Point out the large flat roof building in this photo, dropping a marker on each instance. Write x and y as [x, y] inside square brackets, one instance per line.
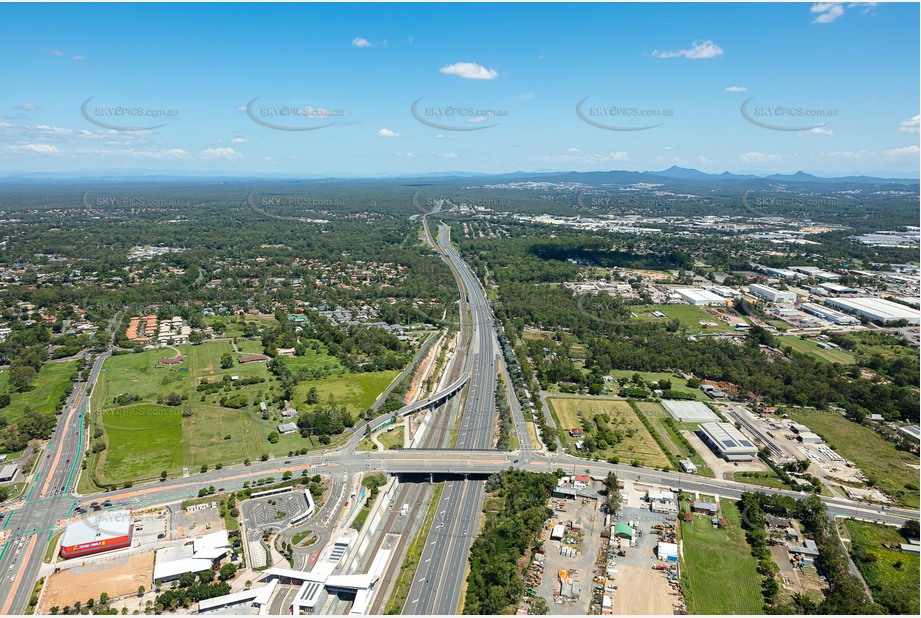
[768, 293]
[689, 411]
[96, 533]
[877, 310]
[730, 443]
[699, 297]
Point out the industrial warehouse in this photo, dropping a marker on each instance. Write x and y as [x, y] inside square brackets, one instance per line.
[729, 443]
[97, 533]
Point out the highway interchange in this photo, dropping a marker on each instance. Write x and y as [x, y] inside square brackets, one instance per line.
[50, 500]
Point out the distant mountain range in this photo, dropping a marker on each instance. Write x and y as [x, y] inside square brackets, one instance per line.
[613, 177]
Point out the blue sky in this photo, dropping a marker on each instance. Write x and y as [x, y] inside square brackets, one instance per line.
[832, 88]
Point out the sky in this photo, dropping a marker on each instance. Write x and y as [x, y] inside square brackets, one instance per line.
[385, 89]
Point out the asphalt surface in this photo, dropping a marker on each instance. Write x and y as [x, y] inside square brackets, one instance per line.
[33, 521]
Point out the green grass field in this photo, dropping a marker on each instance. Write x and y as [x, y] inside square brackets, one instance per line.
[44, 398]
[719, 574]
[202, 436]
[656, 415]
[143, 440]
[689, 316]
[811, 348]
[356, 391]
[878, 458]
[640, 445]
[678, 384]
[891, 575]
[250, 346]
[763, 479]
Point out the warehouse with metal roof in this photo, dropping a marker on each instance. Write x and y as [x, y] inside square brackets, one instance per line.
[729, 443]
[689, 411]
[96, 533]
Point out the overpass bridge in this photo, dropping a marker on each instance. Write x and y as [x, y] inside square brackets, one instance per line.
[431, 401]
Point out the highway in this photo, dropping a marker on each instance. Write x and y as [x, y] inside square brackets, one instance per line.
[439, 579]
[440, 576]
[33, 520]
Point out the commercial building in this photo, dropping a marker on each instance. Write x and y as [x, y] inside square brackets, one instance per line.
[97, 533]
[729, 443]
[699, 297]
[808, 437]
[768, 293]
[8, 472]
[688, 466]
[826, 313]
[724, 291]
[783, 273]
[836, 289]
[877, 310]
[689, 411]
[201, 554]
[667, 551]
[912, 430]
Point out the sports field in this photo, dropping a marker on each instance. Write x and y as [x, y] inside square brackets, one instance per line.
[719, 574]
[637, 443]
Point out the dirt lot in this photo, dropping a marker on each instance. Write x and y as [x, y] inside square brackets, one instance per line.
[116, 577]
[640, 589]
[195, 523]
[592, 522]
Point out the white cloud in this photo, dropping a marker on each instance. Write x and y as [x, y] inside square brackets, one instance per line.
[735, 89]
[227, 153]
[469, 70]
[56, 52]
[817, 131]
[408, 155]
[827, 12]
[903, 151]
[869, 155]
[80, 57]
[760, 157]
[388, 133]
[134, 153]
[238, 140]
[445, 155]
[527, 96]
[37, 148]
[699, 50]
[574, 155]
[911, 125]
[360, 42]
[572, 150]
[27, 107]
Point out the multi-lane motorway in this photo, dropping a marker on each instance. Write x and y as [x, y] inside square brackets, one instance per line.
[47, 503]
[439, 579]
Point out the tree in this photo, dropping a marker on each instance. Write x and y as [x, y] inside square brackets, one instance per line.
[141, 591]
[539, 606]
[228, 570]
[909, 529]
[163, 475]
[612, 499]
[226, 360]
[313, 397]
[21, 377]
[4, 400]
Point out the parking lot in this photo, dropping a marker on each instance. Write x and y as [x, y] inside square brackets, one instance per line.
[276, 510]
